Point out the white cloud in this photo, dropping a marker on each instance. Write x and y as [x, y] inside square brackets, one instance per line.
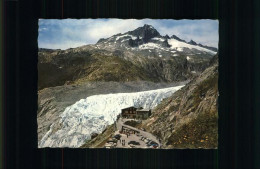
[64, 45]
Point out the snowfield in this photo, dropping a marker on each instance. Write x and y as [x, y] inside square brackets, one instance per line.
[95, 113]
[180, 45]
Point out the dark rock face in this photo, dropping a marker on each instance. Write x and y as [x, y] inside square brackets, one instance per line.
[166, 36]
[177, 38]
[192, 42]
[147, 32]
[101, 40]
[134, 43]
[166, 44]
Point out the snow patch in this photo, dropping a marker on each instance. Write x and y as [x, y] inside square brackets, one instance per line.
[119, 37]
[180, 49]
[126, 35]
[179, 45]
[159, 39]
[149, 45]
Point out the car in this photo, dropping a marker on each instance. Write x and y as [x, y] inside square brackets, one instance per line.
[108, 145]
[132, 146]
[118, 136]
[148, 146]
[133, 143]
[154, 146]
[146, 140]
[152, 143]
[112, 140]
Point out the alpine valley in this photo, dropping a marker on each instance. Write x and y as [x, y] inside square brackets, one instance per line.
[82, 90]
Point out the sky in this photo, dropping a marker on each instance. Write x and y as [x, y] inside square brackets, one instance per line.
[71, 33]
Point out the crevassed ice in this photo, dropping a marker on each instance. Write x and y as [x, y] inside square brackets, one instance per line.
[95, 113]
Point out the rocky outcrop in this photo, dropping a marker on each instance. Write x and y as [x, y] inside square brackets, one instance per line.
[177, 38]
[147, 32]
[192, 42]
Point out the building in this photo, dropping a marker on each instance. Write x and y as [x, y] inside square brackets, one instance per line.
[135, 113]
[143, 113]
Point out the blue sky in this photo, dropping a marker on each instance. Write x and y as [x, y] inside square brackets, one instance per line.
[70, 33]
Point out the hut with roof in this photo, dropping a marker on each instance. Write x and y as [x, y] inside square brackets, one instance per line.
[135, 113]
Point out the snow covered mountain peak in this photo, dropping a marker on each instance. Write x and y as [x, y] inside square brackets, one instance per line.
[147, 37]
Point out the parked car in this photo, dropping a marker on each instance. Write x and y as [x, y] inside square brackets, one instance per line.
[133, 143]
[118, 136]
[155, 146]
[108, 145]
[112, 140]
[152, 143]
[146, 140]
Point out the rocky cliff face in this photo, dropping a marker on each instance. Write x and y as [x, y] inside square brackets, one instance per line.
[189, 118]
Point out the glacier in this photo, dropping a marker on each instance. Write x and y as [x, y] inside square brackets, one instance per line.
[95, 113]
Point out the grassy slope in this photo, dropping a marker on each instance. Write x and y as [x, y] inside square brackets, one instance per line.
[189, 118]
[82, 67]
[201, 131]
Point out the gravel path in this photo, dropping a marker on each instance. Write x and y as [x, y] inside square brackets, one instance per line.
[133, 137]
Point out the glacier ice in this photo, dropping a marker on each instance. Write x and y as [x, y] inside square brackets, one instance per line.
[95, 113]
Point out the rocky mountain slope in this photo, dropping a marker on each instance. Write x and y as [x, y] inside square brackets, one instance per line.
[189, 118]
[141, 54]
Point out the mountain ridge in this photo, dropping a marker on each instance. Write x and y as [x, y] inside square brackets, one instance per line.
[120, 58]
[147, 32]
